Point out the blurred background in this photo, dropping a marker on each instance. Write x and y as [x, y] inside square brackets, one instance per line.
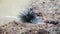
[11, 8]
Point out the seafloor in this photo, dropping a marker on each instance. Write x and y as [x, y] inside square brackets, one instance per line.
[47, 10]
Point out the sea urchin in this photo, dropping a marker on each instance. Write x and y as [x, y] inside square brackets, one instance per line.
[28, 17]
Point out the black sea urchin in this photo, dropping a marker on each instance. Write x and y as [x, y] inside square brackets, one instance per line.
[28, 16]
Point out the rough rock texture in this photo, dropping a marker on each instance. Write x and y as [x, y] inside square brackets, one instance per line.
[22, 28]
[50, 8]
[28, 28]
